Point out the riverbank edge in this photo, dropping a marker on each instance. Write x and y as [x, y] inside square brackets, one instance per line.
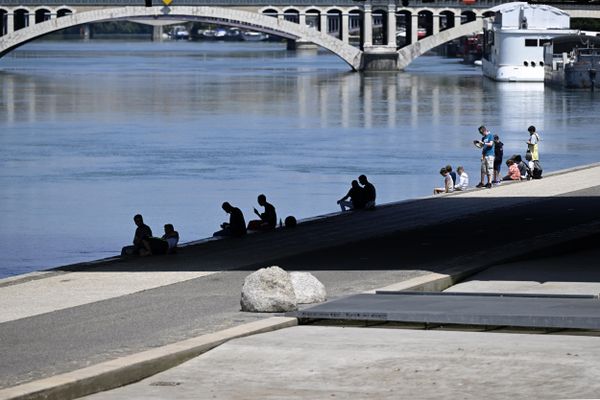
[31, 276]
[134, 367]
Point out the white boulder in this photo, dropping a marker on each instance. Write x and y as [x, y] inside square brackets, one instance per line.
[308, 289]
[268, 290]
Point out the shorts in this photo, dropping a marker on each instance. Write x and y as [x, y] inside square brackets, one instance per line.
[497, 164]
[487, 165]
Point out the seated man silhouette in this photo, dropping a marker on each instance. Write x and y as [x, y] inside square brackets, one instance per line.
[142, 232]
[356, 194]
[154, 246]
[370, 193]
[236, 227]
[268, 219]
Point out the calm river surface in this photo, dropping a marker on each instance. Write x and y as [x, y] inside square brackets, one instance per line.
[92, 133]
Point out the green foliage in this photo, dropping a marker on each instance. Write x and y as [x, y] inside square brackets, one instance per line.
[586, 24]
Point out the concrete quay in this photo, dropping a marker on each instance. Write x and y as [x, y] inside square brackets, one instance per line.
[196, 292]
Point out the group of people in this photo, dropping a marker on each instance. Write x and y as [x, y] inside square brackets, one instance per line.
[237, 227]
[144, 244]
[492, 153]
[458, 180]
[361, 195]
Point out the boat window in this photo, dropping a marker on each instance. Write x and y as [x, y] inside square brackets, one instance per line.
[525, 63]
[533, 63]
[544, 41]
[531, 42]
[541, 63]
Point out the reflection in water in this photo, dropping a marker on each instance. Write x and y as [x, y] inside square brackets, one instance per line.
[92, 133]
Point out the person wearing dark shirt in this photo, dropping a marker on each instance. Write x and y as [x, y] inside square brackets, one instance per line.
[142, 232]
[452, 173]
[268, 219]
[357, 198]
[236, 226]
[370, 193]
[498, 154]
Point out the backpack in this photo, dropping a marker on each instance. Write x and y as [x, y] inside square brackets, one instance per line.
[537, 170]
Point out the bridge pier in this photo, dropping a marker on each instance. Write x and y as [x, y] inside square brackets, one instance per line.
[380, 59]
[10, 23]
[86, 32]
[157, 32]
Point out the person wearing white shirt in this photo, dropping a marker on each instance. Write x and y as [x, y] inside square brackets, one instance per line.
[462, 180]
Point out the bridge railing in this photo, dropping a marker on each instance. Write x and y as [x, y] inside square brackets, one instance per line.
[344, 3]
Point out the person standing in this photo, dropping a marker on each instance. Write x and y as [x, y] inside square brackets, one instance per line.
[533, 143]
[268, 219]
[369, 191]
[487, 157]
[498, 155]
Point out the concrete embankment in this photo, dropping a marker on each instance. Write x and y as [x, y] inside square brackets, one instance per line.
[196, 292]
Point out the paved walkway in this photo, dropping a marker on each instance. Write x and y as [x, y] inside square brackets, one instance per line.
[309, 362]
[137, 308]
[571, 273]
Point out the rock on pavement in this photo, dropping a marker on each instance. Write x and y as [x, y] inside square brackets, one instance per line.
[268, 290]
[308, 289]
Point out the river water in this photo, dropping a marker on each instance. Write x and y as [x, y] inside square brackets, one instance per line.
[92, 133]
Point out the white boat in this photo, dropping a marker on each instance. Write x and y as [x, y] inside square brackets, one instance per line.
[251, 36]
[513, 47]
[179, 32]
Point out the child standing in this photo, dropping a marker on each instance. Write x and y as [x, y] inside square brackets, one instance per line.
[498, 154]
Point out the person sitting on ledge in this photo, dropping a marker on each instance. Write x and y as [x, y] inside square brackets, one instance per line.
[154, 246]
[236, 227]
[142, 232]
[463, 179]
[369, 191]
[357, 198]
[448, 185]
[513, 171]
[268, 219]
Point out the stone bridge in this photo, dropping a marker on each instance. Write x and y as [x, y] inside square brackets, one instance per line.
[374, 35]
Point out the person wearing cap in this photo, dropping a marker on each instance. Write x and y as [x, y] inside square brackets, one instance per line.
[487, 157]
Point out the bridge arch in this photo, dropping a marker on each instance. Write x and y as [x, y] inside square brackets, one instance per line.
[448, 19]
[407, 54]
[270, 10]
[230, 17]
[42, 14]
[64, 11]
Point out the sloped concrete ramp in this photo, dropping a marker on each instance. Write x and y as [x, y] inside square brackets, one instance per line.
[484, 309]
